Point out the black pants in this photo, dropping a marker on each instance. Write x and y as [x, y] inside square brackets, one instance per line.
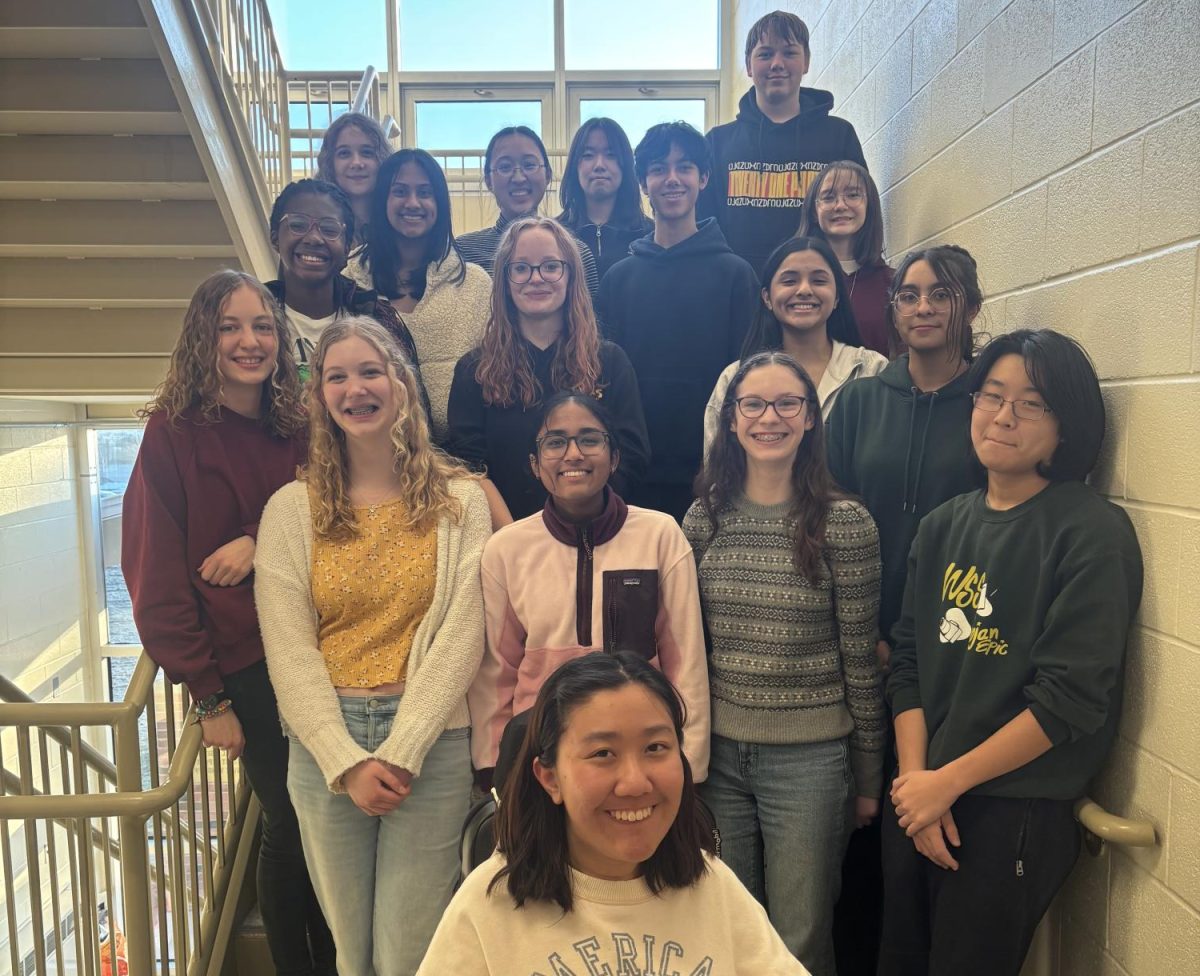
[980, 919]
[298, 937]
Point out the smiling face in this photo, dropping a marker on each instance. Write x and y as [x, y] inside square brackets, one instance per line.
[411, 206]
[803, 292]
[619, 775]
[1006, 445]
[310, 257]
[599, 169]
[538, 298]
[673, 185]
[356, 389]
[517, 192]
[928, 328]
[574, 480]
[769, 438]
[355, 162]
[842, 204]
[247, 343]
[776, 67]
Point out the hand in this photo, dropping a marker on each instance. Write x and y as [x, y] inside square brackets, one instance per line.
[374, 788]
[883, 654]
[230, 564]
[225, 732]
[921, 797]
[932, 844]
[866, 809]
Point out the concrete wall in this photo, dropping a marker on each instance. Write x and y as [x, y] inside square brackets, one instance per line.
[1060, 141]
[41, 596]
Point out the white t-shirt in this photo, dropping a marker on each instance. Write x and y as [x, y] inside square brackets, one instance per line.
[306, 332]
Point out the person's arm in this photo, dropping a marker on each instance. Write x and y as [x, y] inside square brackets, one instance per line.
[590, 273]
[624, 401]
[712, 197]
[744, 299]
[758, 948]
[456, 946]
[439, 684]
[681, 653]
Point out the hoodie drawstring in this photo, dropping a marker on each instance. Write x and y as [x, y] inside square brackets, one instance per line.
[912, 424]
[921, 457]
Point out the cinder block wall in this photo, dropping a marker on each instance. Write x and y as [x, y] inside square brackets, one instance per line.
[1059, 140]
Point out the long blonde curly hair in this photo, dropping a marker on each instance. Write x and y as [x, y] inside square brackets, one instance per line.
[425, 471]
[504, 371]
[194, 377]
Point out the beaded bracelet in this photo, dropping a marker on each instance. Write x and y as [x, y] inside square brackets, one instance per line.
[220, 708]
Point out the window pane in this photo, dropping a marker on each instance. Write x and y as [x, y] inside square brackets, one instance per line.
[314, 35]
[116, 451]
[636, 115]
[617, 35]
[470, 125]
[476, 35]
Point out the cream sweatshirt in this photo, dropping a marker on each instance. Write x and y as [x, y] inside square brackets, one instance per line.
[713, 928]
[446, 649]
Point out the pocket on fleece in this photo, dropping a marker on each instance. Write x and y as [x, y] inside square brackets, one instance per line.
[630, 611]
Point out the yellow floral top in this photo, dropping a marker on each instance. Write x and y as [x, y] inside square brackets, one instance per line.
[371, 593]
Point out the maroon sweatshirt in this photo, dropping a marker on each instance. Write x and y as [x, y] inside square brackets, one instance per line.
[196, 486]
[869, 297]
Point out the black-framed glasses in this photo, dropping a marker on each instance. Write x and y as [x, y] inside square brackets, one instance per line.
[939, 299]
[519, 272]
[786, 407]
[300, 224]
[506, 167]
[1022, 409]
[552, 447]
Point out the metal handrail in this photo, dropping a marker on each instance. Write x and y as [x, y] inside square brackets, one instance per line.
[1107, 827]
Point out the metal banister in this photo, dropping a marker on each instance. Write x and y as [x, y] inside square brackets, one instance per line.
[1103, 827]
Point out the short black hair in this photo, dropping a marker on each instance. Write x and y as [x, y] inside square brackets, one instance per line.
[589, 403]
[659, 140]
[515, 130]
[320, 188]
[1062, 372]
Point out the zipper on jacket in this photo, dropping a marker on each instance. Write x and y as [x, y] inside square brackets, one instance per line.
[1021, 839]
[599, 242]
[610, 611]
[583, 588]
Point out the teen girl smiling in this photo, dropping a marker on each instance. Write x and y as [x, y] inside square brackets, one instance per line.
[352, 151]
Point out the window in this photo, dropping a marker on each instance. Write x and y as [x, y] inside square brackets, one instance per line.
[635, 116]
[664, 35]
[315, 35]
[116, 450]
[476, 35]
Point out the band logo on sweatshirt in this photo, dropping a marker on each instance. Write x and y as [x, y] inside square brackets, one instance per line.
[759, 184]
[970, 604]
[626, 957]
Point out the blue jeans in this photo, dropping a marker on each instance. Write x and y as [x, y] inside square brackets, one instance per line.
[785, 814]
[383, 882]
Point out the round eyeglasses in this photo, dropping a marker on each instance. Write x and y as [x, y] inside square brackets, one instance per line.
[506, 167]
[519, 272]
[1022, 409]
[300, 224]
[552, 447]
[786, 407]
[939, 299]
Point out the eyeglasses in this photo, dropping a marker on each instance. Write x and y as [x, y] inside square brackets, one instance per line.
[519, 272]
[506, 167]
[786, 407]
[828, 198]
[1022, 409]
[300, 224]
[552, 447]
[907, 302]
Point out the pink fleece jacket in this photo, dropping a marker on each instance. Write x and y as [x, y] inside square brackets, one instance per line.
[529, 597]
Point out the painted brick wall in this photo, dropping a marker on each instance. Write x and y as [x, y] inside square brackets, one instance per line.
[1059, 140]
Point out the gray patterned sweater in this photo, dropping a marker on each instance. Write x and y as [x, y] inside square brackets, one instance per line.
[792, 660]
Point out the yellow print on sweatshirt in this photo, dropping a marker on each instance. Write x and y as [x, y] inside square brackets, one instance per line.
[754, 187]
[967, 589]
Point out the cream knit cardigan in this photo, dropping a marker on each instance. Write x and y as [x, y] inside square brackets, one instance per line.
[446, 652]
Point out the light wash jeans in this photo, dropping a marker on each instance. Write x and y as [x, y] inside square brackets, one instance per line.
[383, 882]
[785, 815]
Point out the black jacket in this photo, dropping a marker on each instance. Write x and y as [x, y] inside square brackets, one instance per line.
[762, 170]
[608, 242]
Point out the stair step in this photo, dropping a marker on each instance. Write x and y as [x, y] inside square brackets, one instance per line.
[81, 377]
[89, 331]
[71, 13]
[76, 42]
[66, 85]
[116, 282]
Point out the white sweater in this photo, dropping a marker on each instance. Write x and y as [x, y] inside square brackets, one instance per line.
[446, 324]
[715, 926]
[446, 651]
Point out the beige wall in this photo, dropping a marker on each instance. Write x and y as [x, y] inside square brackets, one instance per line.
[1060, 141]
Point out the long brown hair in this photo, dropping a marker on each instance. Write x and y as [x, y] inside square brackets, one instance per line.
[194, 377]
[723, 477]
[425, 472]
[504, 371]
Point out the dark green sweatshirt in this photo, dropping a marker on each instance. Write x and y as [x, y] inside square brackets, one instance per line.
[903, 453]
[1025, 608]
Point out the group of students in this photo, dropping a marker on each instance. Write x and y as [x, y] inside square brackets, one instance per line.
[421, 517]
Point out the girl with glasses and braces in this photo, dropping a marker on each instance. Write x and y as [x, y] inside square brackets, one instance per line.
[789, 582]
[541, 337]
[587, 573]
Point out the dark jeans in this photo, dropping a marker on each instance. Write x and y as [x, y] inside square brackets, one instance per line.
[298, 937]
[980, 919]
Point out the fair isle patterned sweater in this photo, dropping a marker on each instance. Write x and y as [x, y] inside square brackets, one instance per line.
[793, 660]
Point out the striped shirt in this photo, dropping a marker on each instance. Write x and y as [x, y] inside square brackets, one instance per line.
[479, 247]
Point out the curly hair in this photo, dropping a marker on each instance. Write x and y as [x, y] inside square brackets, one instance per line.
[366, 125]
[194, 377]
[504, 371]
[425, 471]
[723, 477]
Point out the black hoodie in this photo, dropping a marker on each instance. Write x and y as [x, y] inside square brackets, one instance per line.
[762, 170]
[681, 314]
[903, 453]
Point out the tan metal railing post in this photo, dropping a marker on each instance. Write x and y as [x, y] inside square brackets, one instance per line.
[135, 870]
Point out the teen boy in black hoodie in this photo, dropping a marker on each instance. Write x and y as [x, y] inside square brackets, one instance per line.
[679, 305]
[765, 161]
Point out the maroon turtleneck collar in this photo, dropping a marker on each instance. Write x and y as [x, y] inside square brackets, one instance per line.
[604, 526]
